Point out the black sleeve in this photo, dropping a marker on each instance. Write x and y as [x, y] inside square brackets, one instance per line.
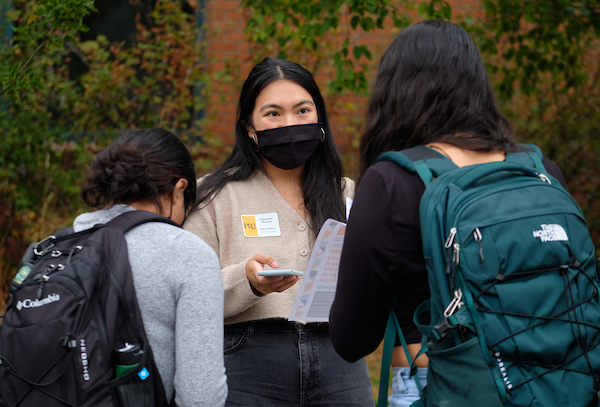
[382, 257]
[553, 170]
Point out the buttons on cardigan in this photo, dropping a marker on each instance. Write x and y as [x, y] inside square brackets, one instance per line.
[303, 252]
[302, 226]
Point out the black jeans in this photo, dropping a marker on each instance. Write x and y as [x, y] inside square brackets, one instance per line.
[281, 363]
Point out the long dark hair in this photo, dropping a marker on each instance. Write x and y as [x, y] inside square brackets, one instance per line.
[432, 86]
[140, 165]
[321, 177]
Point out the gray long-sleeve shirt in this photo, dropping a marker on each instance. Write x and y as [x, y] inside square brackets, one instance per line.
[177, 278]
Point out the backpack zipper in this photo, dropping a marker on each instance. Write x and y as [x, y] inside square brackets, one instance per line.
[455, 257]
[544, 178]
[452, 251]
[451, 243]
[478, 237]
[448, 245]
[45, 276]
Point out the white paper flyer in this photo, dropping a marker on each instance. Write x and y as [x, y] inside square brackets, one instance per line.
[317, 289]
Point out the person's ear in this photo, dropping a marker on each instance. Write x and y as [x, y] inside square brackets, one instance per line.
[251, 132]
[179, 189]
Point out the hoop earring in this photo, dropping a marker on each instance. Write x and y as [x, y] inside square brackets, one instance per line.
[323, 131]
[254, 138]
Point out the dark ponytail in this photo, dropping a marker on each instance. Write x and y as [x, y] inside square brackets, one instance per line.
[141, 165]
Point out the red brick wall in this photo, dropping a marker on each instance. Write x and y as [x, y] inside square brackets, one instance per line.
[226, 46]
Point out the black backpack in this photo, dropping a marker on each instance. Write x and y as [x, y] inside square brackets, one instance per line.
[72, 334]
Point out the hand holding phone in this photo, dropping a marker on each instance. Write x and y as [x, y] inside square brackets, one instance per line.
[280, 273]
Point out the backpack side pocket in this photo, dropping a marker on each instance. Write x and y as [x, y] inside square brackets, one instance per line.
[137, 386]
[460, 377]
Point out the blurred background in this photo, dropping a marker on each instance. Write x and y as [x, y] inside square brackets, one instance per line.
[75, 74]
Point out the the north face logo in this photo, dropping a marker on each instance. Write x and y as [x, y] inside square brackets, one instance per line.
[29, 303]
[551, 233]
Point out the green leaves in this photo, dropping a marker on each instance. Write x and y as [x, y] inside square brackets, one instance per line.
[435, 10]
[44, 27]
[361, 50]
[52, 125]
[542, 39]
[297, 29]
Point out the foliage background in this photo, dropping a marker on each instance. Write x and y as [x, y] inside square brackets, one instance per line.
[542, 55]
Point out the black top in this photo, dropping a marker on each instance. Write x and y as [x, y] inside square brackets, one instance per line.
[382, 258]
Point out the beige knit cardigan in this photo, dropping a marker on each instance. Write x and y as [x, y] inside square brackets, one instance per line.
[220, 225]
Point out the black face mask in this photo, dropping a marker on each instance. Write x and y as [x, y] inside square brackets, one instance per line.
[289, 147]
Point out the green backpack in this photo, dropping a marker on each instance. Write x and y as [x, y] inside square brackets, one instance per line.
[514, 306]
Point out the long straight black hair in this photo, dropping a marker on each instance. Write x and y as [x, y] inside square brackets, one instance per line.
[321, 179]
[432, 86]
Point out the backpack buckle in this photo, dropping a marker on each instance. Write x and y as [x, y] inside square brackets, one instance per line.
[441, 330]
[40, 250]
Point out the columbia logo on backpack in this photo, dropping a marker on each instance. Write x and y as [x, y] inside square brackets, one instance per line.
[29, 303]
[514, 304]
[73, 334]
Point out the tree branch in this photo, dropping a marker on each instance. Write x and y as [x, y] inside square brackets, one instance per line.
[31, 56]
[80, 54]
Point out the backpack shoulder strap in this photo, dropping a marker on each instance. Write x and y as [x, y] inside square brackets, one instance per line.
[430, 164]
[393, 331]
[128, 220]
[423, 161]
[124, 222]
[528, 155]
[42, 247]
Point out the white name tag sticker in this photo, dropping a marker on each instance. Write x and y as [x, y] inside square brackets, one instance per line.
[263, 225]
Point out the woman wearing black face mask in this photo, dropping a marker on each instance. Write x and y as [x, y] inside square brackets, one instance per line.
[262, 208]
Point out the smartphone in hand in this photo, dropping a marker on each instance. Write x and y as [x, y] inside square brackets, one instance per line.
[280, 273]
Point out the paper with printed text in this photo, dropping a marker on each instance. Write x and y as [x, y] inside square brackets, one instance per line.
[317, 289]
